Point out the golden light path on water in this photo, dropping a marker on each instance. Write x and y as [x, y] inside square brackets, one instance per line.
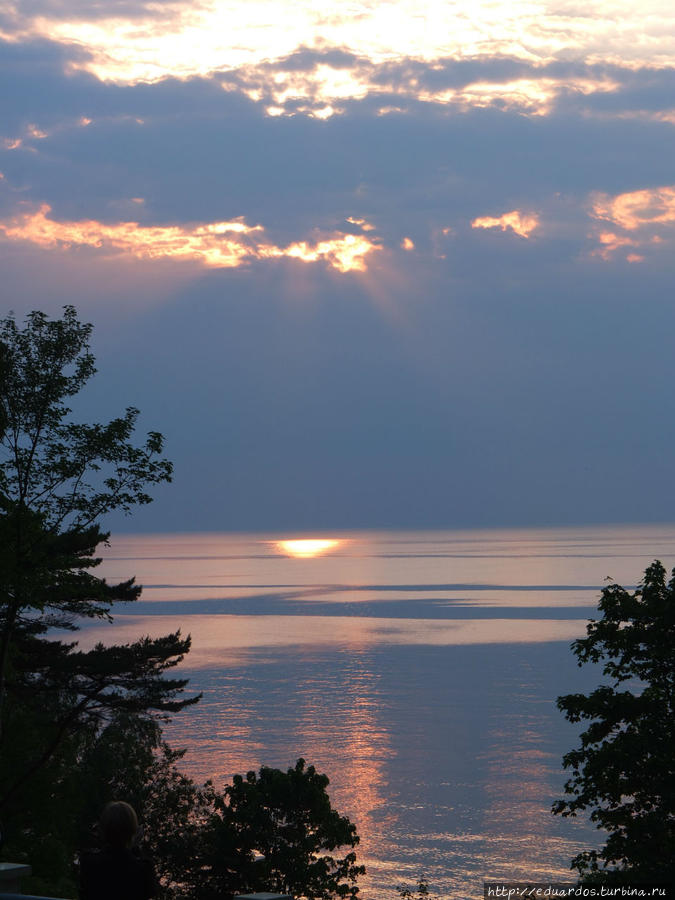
[491, 808]
[220, 638]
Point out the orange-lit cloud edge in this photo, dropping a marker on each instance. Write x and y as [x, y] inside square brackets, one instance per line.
[626, 224]
[633, 222]
[629, 224]
[215, 244]
[522, 223]
[211, 37]
[320, 92]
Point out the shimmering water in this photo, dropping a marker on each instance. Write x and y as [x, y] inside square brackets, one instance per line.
[419, 671]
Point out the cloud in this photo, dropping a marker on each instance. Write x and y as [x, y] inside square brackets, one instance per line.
[85, 10]
[518, 55]
[318, 84]
[522, 223]
[226, 34]
[198, 153]
[638, 209]
[215, 244]
[642, 219]
[323, 83]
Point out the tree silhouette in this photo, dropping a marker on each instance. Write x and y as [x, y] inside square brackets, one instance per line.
[58, 478]
[624, 770]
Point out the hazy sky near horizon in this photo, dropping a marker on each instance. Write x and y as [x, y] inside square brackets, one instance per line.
[365, 264]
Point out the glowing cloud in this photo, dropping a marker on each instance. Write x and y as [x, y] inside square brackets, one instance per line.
[611, 242]
[36, 132]
[313, 91]
[638, 219]
[522, 223]
[534, 96]
[195, 38]
[637, 209]
[345, 253]
[198, 38]
[216, 244]
[365, 226]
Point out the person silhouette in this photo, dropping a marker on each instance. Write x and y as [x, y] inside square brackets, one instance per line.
[116, 872]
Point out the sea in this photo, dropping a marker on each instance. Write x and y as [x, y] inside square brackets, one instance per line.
[418, 670]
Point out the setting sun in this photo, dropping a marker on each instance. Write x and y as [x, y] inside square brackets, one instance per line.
[307, 548]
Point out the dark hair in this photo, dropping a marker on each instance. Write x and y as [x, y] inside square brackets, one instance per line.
[118, 824]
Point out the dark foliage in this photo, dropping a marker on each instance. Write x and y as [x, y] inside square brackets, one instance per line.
[420, 892]
[624, 770]
[287, 817]
[68, 473]
[57, 479]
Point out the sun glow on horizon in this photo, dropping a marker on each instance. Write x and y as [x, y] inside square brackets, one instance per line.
[307, 548]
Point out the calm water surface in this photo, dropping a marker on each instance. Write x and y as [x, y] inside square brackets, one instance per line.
[418, 670]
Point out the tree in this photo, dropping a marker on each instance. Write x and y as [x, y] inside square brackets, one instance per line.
[624, 770]
[130, 759]
[420, 892]
[206, 844]
[58, 478]
[127, 759]
[288, 818]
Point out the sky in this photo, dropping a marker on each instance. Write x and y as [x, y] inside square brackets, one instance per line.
[393, 264]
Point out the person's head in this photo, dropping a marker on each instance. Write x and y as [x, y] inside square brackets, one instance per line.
[118, 824]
